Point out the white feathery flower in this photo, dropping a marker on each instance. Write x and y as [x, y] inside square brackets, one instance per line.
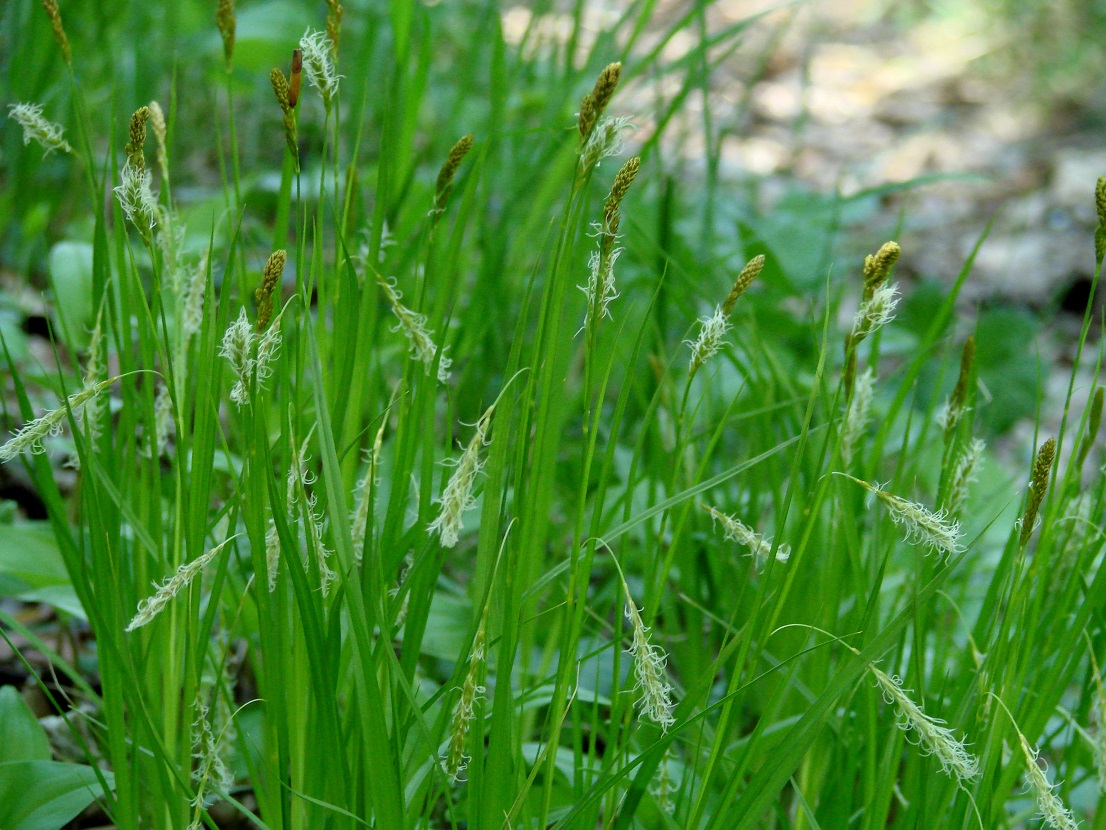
[606, 139]
[736, 531]
[30, 437]
[712, 330]
[599, 290]
[456, 760]
[948, 416]
[38, 129]
[1052, 808]
[318, 65]
[267, 348]
[237, 348]
[857, 415]
[300, 477]
[934, 530]
[457, 497]
[163, 421]
[413, 326]
[649, 669]
[136, 198]
[876, 311]
[932, 736]
[151, 606]
[211, 771]
[272, 555]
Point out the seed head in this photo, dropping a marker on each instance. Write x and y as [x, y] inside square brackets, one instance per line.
[1038, 484]
[931, 734]
[622, 182]
[136, 198]
[299, 479]
[749, 273]
[38, 129]
[211, 770]
[270, 280]
[237, 348]
[878, 266]
[711, 331]
[163, 593]
[733, 529]
[334, 23]
[649, 669]
[457, 497]
[713, 328]
[1052, 808]
[318, 65]
[456, 760]
[606, 140]
[32, 435]
[283, 96]
[948, 415]
[595, 102]
[600, 289]
[137, 138]
[444, 186]
[227, 23]
[413, 326]
[54, 14]
[876, 311]
[934, 530]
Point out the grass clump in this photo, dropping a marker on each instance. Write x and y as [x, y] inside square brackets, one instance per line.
[401, 589]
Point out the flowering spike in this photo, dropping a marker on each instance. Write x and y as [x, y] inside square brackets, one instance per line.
[932, 735]
[934, 530]
[457, 497]
[38, 129]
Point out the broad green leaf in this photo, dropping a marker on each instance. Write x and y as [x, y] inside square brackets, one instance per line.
[31, 567]
[21, 736]
[45, 795]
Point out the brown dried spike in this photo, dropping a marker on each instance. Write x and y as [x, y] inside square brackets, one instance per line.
[749, 273]
[587, 117]
[333, 23]
[137, 138]
[296, 79]
[280, 89]
[54, 13]
[444, 184]
[227, 23]
[1038, 484]
[622, 183]
[270, 279]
